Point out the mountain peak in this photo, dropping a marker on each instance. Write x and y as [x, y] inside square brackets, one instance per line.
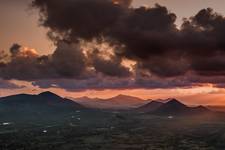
[122, 95]
[173, 106]
[151, 106]
[125, 98]
[201, 108]
[48, 94]
[174, 101]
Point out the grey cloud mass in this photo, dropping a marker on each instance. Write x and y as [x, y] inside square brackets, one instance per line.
[165, 55]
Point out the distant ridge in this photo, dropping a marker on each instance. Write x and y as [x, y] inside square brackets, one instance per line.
[118, 102]
[175, 107]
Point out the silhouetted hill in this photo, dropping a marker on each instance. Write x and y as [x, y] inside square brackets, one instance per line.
[45, 99]
[175, 107]
[117, 102]
[46, 104]
[150, 107]
[125, 100]
[200, 109]
[49, 95]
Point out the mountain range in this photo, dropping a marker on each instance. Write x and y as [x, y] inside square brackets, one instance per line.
[120, 102]
[172, 107]
[51, 105]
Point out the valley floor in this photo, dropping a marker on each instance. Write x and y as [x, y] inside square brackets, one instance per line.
[98, 130]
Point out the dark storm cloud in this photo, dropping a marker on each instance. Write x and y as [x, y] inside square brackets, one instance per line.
[111, 66]
[171, 66]
[205, 39]
[166, 56]
[21, 64]
[210, 66]
[205, 31]
[76, 19]
[145, 31]
[101, 83]
[141, 80]
[15, 48]
[142, 30]
[67, 61]
[25, 64]
[98, 82]
[147, 35]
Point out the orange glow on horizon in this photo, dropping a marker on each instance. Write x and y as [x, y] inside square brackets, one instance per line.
[207, 95]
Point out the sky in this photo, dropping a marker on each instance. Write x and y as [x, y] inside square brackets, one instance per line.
[26, 30]
[133, 48]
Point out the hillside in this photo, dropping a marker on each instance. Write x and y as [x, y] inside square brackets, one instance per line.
[31, 106]
[175, 107]
[150, 107]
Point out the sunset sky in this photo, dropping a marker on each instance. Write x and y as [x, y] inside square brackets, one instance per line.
[102, 48]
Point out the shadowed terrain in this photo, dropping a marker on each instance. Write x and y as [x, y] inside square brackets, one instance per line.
[121, 102]
[47, 121]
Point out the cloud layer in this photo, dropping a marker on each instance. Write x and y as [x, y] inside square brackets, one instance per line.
[4, 84]
[164, 55]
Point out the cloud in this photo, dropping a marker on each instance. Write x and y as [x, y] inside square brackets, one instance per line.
[204, 38]
[67, 61]
[101, 83]
[22, 64]
[15, 49]
[78, 18]
[4, 84]
[146, 35]
[166, 56]
[111, 66]
[26, 64]
[3, 55]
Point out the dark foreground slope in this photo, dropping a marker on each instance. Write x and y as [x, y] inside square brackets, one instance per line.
[117, 131]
